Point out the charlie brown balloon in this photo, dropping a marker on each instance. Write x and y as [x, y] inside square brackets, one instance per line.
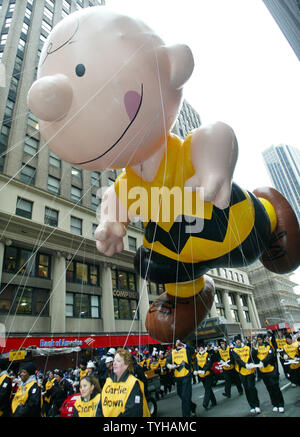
[107, 94]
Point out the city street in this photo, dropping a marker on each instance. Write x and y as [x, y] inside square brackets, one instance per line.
[236, 406]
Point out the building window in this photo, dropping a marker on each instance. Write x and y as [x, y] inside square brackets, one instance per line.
[95, 202]
[51, 217]
[54, 160]
[26, 262]
[53, 185]
[95, 179]
[76, 226]
[235, 315]
[77, 173]
[132, 243]
[125, 295]
[76, 194]
[82, 306]
[24, 301]
[83, 273]
[231, 297]
[124, 308]
[221, 312]
[154, 288]
[31, 145]
[244, 300]
[123, 280]
[247, 316]
[9, 110]
[24, 208]
[28, 174]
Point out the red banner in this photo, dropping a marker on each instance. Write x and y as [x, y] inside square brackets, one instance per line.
[93, 341]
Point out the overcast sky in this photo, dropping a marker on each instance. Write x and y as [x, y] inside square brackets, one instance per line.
[246, 74]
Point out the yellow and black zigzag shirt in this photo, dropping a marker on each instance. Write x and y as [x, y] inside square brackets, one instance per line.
[223, 230]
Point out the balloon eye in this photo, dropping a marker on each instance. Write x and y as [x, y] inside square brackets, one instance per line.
[80, 70]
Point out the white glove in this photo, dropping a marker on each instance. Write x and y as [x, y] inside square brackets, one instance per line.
[249, 366]
[261, 364]
[201, 372]
[285, 356]
[171, 366]
[195, 372]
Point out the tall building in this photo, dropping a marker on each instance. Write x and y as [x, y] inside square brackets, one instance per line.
[283, 164]
[274, 296]
[187, 120]
[287, 16]
[56, 288]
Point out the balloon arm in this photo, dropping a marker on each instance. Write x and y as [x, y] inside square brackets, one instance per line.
[112, 224]
[214, 152]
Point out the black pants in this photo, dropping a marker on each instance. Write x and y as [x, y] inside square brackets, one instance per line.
[293, 375]
[232, 377]
[248, 382]
[207, 382]
[271, 381]
[184, 391]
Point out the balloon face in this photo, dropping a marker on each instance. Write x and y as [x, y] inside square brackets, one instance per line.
[105, 95]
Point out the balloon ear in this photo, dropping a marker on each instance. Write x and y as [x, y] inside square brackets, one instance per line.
[181, 63]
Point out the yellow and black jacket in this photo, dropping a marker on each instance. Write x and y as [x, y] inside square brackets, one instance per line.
[292, 351]
[204, 363]
[27, 401]
[265, 354]
[48, 386]
[225, 355]
[280, 343]
[242, 356]
[83, 408]
[83, 373]
[123, 398]
[182, 357]
[5, 393]
[162, 369]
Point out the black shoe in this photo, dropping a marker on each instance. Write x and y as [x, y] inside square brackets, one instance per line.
[193, 408]
[241, 392]
[226, 395]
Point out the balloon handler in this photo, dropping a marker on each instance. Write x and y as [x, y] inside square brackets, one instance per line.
[107, 95]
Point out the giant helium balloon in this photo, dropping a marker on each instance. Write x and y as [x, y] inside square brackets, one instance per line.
[107, 95]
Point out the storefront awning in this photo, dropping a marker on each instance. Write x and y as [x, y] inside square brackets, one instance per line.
[82, 342]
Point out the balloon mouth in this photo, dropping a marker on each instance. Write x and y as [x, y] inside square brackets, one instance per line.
[121, 136]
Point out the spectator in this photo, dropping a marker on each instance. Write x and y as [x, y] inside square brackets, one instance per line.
[60, 390]
[86, 405]
[27, 401]
[5, 388]
[123, 394]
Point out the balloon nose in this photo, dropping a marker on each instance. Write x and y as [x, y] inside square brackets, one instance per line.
[50, 97]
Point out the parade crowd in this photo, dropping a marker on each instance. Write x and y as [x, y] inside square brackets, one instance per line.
[116, 384]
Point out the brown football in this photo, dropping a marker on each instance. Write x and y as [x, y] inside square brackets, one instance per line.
[283, 254]
[172, 317]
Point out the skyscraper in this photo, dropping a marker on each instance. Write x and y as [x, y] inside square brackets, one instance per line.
[286, 14]
[283, 164]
